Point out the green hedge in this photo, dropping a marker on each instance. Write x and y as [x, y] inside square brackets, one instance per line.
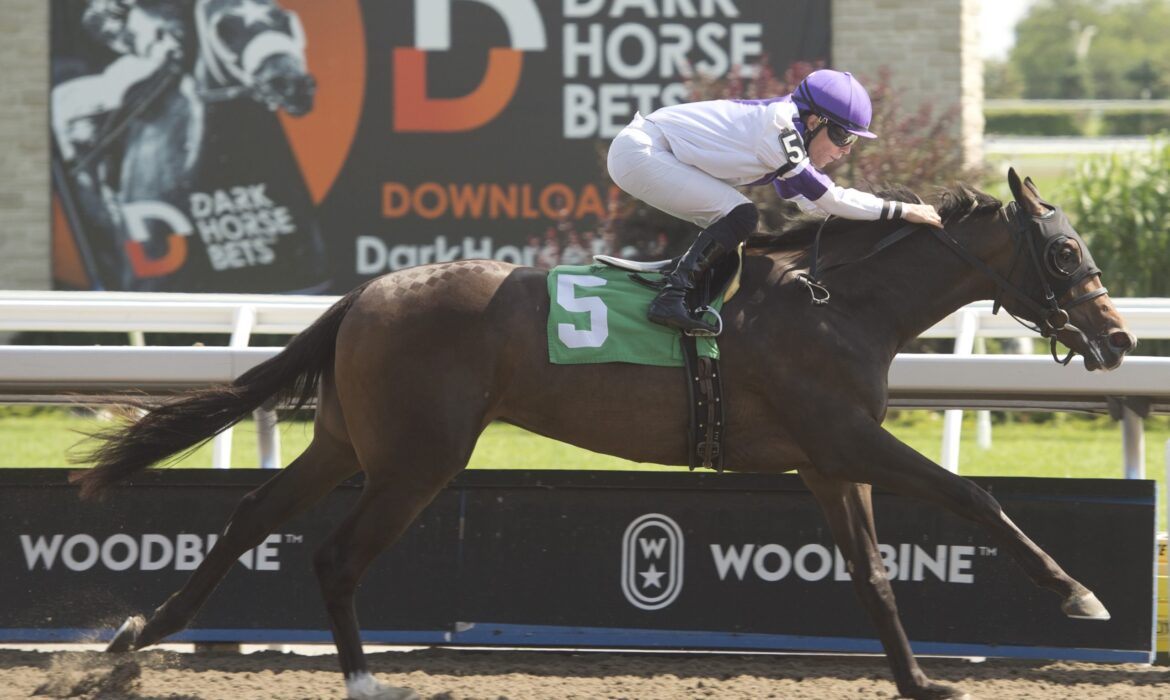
[1041, 122]
[1034, 123]
[1134, 123]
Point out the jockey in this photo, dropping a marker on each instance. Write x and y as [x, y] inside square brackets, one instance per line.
[144, 42]
[688, 160]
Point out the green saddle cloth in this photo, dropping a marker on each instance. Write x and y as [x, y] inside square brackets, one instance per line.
[598, 314]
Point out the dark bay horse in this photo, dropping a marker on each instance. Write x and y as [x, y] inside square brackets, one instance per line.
[411, 367]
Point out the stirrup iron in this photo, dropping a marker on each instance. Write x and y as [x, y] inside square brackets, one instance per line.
[701, 333]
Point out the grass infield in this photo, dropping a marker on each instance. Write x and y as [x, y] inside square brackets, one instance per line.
[1046, 445]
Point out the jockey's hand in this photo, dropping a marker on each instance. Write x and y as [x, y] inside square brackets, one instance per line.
[921, 214]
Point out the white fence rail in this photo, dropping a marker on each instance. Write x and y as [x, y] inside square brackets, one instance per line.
[47, 374]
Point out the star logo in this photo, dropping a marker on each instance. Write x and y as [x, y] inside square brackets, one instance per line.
[252, 12]
[652, 577]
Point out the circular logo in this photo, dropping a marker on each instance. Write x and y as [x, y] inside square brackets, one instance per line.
[652, 562]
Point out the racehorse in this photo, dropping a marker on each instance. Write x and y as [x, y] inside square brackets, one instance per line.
[409, 368]
[152, 149]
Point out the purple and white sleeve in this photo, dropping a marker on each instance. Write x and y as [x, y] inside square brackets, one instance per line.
[814, 187]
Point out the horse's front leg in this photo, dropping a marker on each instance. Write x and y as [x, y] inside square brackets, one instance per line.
[849, 509]
[856, 448]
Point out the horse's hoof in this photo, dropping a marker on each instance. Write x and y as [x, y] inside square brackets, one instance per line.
[1084, 607]
[363, 686]
[938, 691]
[127, 634]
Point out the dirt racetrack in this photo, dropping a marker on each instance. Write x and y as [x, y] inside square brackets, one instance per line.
[444, 674]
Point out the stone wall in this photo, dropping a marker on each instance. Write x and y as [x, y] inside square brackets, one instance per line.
[931, 49]
[24, 145]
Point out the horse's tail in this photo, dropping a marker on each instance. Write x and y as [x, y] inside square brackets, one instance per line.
[195, 417]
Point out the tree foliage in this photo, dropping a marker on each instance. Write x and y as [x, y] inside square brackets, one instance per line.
[1089, 49]
[1121, 205]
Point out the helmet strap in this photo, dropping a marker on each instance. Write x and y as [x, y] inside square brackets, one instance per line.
[810, 134]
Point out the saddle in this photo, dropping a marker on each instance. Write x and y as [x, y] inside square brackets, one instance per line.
[723, 279]
[704, 388]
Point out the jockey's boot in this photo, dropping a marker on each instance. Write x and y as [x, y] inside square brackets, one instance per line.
[669, 308]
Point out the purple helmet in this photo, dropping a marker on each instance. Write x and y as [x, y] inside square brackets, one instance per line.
[838, 97]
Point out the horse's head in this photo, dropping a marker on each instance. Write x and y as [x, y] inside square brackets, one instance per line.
[259, 47]
[1060, 284]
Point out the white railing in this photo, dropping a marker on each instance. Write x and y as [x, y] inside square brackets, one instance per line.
[46, 374]
[1064, 146]
[1098, 106]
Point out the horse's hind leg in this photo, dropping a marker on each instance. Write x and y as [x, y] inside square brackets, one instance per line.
[406, 466]
[381, 515]
[849, 509]
[322, 465]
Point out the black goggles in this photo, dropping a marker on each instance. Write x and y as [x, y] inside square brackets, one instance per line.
[840, 136]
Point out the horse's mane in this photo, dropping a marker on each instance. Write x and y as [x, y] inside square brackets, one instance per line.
[954, 204]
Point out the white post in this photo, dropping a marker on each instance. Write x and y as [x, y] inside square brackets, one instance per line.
[982, 418]
[968, 322]
[221, 446]
[1133, 440]
[267, 438]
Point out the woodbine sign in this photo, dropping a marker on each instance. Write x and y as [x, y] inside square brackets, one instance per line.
[637, 560]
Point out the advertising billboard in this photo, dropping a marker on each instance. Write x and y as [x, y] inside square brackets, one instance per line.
[590, 559]
[300, 146]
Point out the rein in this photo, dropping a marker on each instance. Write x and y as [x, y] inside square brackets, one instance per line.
[1054, 317]
[818, 290]
[165, 79]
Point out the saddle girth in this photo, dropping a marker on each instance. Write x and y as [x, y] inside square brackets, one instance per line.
[705, 408]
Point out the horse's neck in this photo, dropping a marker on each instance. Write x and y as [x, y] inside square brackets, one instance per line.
[933, 281]
[898, 294]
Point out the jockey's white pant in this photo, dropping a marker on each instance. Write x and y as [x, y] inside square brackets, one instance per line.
[641, 163]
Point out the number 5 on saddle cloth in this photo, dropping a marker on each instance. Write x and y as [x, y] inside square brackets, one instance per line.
[597, 314]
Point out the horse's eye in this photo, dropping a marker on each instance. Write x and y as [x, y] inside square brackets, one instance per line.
[1065, 258]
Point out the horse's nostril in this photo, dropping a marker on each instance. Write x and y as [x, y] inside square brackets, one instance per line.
[1120, 340]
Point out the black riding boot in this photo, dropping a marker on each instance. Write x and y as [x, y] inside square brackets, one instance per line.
[669, 308]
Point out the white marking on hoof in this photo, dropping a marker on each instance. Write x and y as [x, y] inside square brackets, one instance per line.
[363, 686]
[1085, 607]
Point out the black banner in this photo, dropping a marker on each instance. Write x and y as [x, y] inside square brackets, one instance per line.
[298, 145]
[636, 560]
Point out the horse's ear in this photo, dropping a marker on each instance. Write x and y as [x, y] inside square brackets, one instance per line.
[1026, 194]
[1032, 186]
[1014, 183]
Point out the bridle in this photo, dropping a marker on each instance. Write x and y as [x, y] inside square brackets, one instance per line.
[1043, 237]
[233, 70]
